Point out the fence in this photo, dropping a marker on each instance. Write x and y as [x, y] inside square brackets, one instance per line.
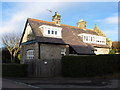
[44, 68]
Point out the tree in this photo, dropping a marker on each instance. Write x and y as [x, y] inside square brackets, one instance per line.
[100, 33]
[116, 46]
[11, 42]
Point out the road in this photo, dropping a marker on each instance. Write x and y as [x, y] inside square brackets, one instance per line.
[45, 84]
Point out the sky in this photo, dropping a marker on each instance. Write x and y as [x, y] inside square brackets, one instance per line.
[104, 14]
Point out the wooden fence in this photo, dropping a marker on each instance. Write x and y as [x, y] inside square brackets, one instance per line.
[44, 68]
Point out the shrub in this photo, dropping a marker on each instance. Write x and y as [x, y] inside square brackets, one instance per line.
[112, 52]
[90, 66]
[14, 70]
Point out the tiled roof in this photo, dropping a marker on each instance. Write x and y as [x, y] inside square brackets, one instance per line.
[69, 36]
[60, 24]
[50, 40]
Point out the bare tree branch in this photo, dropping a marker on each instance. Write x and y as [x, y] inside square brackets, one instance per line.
[11, 42]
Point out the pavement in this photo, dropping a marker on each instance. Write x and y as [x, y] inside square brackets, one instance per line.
[61, 83]
[7, 83]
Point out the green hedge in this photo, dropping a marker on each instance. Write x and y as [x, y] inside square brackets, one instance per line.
[14, 70]
[90, 66]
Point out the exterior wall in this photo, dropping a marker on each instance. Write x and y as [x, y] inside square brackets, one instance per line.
[102, 51]
[28, 35]
[49, 64]
[50, 51]
[24, 49]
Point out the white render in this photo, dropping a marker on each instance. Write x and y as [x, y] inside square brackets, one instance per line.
[27, 32]
[95, 39]
[102, 51]
[44, 29]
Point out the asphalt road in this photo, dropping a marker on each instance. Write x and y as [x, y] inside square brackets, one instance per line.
[61, 84]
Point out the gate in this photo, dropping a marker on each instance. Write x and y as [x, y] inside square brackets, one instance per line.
[44, 68]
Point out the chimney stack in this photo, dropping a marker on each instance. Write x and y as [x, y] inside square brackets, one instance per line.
[82, 24]
[56, 18]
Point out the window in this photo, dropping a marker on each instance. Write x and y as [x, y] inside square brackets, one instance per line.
[48, 31]
[87, 38]
[52, 32]
[55, 32]
[91, 38]
[30, 54]
[63, 50]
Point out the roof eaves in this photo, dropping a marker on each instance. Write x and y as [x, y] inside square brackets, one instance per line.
[28, 42]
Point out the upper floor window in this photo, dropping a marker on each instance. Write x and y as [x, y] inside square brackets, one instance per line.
[48, 31]
[51, 31]
[55, 32]
[88, 38]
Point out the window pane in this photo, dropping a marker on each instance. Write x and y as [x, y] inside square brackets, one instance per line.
[30, 54]
[52, 32]
[48, 31]
[55, 32]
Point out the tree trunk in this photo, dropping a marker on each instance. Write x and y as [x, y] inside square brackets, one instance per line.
[11, 58]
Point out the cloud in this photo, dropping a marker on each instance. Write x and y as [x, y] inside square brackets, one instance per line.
[109, 20]
[23, 11]
[112, 33]
[112, 20]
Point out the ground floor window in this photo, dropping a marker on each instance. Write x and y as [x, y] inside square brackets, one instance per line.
[63, 50]
[30, 54]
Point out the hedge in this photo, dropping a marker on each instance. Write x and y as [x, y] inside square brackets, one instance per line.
[90, 66]
[14, 70]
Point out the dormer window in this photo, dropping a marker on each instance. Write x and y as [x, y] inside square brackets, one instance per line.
[48, 31]
[88, 38]
[51, 31]
[55, 32]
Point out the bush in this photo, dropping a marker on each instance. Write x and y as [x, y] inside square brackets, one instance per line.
[90, 66]
[112, 52]
[14, 70]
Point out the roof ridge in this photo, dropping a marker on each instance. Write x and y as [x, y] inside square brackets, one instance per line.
[41, 20]
[61, 24]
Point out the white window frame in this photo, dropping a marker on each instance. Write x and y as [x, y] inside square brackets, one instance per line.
[30, 54]
[53, 29]
[87, 39]
[63, 51]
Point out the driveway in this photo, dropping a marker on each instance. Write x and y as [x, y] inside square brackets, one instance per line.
[62, 83]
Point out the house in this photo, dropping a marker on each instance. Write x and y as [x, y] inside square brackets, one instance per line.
[48, 41]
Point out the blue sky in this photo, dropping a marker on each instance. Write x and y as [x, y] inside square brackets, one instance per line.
[104, 14]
